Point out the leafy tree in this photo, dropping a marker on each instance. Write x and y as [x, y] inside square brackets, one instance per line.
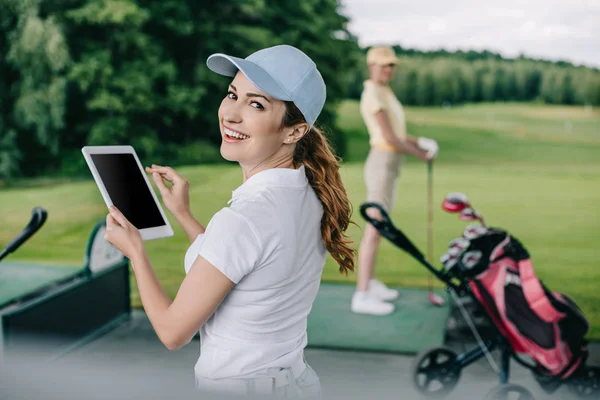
[460, 77]
[34, 67]
[134, 72]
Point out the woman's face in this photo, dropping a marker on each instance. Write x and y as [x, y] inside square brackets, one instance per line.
[382, 73]
[251, 125]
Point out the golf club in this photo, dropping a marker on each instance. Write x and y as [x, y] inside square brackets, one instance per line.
[448, 260]
[433, 298]
[38, 217]
[459, 243]
[469, 214]
[455, 202]
[459, 203]
[474, 231]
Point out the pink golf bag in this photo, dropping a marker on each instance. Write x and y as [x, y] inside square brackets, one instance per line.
[492, 267]
[544, 325]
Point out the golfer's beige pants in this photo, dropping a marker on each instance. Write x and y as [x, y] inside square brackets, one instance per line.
[381, 173]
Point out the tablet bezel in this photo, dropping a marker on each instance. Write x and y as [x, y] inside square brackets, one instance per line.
[157, 232]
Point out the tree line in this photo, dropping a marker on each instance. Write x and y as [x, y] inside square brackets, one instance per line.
[96, 72]
[438, 77]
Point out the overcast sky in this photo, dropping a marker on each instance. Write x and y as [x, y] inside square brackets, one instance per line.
[550, 29]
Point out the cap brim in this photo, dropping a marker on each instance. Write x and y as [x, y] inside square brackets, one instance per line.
[387, 61]
[226, 65]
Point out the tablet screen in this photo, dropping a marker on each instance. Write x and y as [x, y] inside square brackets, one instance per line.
[127, 189]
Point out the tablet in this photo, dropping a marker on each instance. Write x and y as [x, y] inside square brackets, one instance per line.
[124, 183]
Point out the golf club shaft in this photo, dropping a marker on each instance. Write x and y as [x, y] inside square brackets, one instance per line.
[432, 298]
[430, 219]
[430, 211]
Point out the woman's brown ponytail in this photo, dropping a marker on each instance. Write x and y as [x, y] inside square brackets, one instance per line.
[322, 171]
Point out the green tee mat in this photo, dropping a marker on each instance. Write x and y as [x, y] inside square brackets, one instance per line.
[414, 325]
[18, 279]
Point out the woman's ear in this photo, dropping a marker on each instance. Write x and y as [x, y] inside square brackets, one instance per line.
[297, 133]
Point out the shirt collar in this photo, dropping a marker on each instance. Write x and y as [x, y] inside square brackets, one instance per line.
[274, 177]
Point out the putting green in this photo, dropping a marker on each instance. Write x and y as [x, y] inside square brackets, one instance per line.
[414, 325]
[19, 279]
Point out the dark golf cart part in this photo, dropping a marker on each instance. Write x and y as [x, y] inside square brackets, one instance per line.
[71, 311]
[386, 228]
[38, 217]
[585, 382]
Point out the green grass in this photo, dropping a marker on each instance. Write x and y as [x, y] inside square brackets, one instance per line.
[521, 165]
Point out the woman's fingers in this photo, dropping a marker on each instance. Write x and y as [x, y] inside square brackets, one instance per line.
[161, 172]
[158, 179]
[164, 170]
[170, 175]
[110, 222]
[160, 176]
[167, 172]
[116, 214]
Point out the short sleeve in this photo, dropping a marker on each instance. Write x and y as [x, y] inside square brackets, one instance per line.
[192, 252]
[230, 244]
[372, 100]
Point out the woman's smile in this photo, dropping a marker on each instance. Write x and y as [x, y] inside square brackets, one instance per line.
[231, 136]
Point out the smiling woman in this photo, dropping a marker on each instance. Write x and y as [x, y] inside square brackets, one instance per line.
[250, 122]
[253, 273]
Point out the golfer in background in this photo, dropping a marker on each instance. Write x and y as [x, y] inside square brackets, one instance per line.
[384, 117]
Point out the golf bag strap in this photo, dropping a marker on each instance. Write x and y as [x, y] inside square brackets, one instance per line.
[535, 295]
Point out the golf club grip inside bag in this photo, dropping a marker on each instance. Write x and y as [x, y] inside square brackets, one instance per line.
[547, 326]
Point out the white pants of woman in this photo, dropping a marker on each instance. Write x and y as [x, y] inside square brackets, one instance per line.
[299, 381]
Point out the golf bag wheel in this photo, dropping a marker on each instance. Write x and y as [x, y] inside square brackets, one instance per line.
[434, 374]
[509, 391]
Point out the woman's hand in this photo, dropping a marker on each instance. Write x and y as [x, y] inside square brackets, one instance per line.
[428, 145]
[123, 235]
[176, 197]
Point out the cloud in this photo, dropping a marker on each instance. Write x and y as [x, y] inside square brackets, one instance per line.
[551, 29]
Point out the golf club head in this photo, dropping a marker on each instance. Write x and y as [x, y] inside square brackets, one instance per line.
[38, 217]
[455, 202]
[471, 258]
[468, 214]
[454, 252]
[436, 300]
[473, 231]
[447, 259]
[450, 258]
[455, 249]
[459, 243]
[450, 263]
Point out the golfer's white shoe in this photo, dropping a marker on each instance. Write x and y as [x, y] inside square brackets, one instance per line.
[382, 292]
[367, 303]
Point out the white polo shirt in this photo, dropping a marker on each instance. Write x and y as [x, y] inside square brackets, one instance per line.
[268, 242]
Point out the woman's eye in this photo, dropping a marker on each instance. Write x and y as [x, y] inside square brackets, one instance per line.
[231, 95]
[256, 104]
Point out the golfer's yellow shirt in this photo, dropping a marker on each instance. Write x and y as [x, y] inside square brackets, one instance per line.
[376, 97]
